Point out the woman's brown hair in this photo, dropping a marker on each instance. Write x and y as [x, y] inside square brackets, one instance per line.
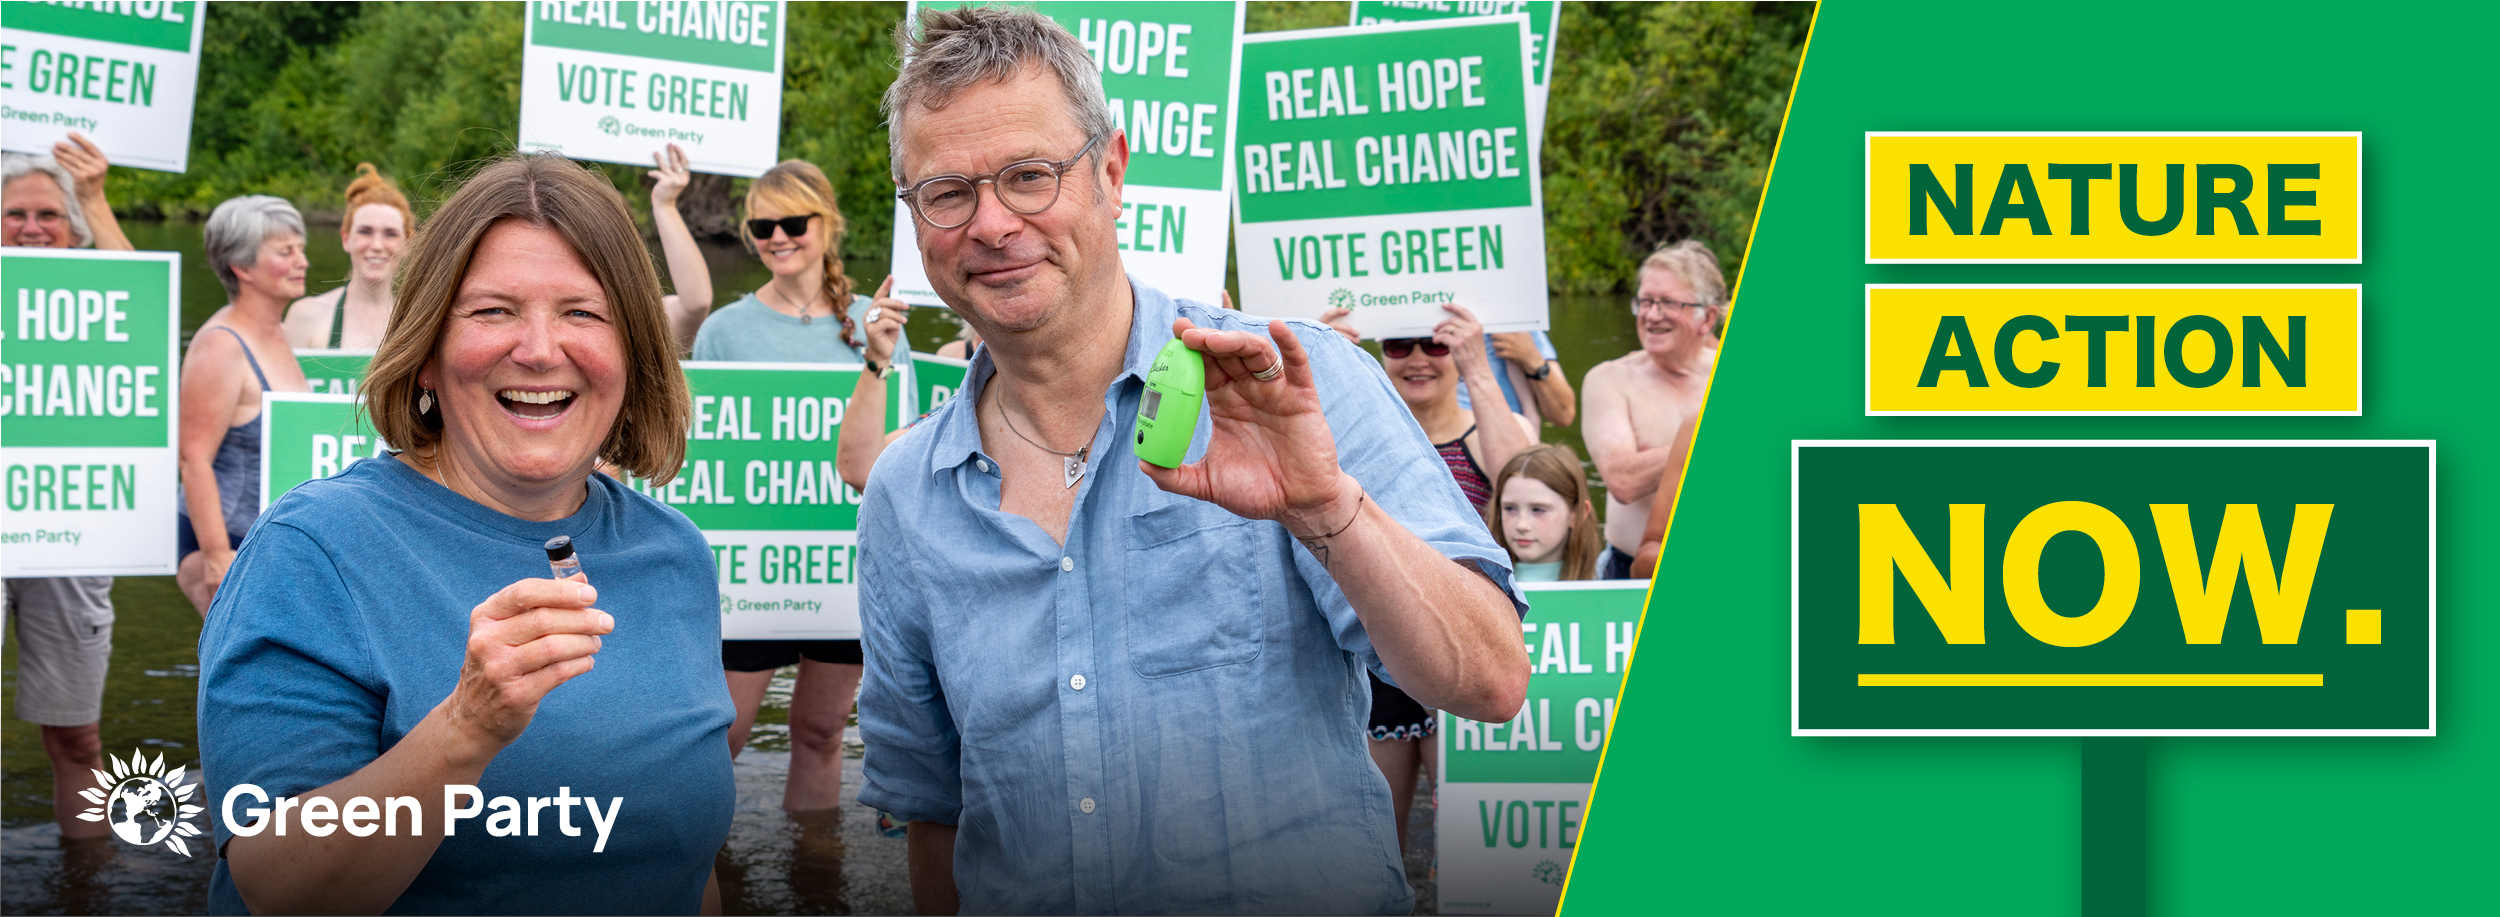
[1558, 467]
[796, 186]
[371, 188]
[649, 438]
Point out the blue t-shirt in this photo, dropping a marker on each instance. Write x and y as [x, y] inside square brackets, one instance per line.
[748, 331]
[344, 621]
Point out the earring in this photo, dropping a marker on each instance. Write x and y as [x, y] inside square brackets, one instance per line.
[425, 402]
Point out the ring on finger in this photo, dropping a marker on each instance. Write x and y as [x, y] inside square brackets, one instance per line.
[874, 313]
[1269, 374]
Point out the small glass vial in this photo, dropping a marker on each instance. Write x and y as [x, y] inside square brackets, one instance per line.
[560, 557]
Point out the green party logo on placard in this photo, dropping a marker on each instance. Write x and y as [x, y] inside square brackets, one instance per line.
[2144, 588]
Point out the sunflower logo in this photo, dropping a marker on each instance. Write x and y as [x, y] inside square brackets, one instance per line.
[1341, 298]
[144, 804]
[1549, 872]
[612, 126]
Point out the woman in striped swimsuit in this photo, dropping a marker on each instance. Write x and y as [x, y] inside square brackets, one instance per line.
[1485, 434]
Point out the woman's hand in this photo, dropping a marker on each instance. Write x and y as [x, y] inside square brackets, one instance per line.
[670, 178]
[523, 642]
[1464, 336]
[1335, 317]
[85, 163]
[883, 325]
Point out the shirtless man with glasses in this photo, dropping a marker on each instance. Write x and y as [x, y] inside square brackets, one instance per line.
[1638, 410]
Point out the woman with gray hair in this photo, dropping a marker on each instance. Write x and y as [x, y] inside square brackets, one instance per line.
[256, 246]
[57, 201]
[63, 624]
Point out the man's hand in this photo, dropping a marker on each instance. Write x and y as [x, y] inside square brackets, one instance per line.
[1519, 347]
[886, 326]
[1335, 317]
[524, 641]
[1272, 456]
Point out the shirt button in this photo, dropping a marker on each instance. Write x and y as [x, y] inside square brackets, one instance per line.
[983, 464]
[1067, 565]
[1076, 682]
[1086, 806]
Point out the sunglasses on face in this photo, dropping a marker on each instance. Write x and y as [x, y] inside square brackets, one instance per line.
[1398, 348]
[794, 227]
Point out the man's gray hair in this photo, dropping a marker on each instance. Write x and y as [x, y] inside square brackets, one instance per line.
[20, 165]
[1693, 261]
[961, 48]
[238, 227]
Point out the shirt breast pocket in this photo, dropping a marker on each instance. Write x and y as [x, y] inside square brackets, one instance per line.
[1196, 596]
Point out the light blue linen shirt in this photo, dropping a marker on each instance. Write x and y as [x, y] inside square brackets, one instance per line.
[1166, 714]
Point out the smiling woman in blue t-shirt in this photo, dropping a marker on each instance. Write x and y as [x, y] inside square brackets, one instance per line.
[393, 632]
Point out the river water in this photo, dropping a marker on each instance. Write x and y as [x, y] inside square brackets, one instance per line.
[776, 863]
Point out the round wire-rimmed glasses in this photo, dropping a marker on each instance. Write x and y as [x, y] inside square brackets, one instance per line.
[1028, 187]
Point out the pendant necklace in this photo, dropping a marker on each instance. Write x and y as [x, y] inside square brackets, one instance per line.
[803, 316]
[1071, 464]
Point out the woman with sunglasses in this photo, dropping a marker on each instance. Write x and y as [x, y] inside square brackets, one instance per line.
[807, 314]
[1485, 434]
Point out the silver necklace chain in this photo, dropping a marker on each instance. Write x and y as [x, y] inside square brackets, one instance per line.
[1072, 464]
[803, 316]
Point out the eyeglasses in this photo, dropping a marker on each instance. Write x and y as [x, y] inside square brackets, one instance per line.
[1647, 304]
[1027, 187]
[42, 217]
[1398, 348]
[794, 227]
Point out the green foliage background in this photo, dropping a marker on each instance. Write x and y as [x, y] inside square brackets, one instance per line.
[1661, 125]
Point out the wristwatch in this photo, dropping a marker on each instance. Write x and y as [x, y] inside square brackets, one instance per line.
[1542, 370]
[874, 368]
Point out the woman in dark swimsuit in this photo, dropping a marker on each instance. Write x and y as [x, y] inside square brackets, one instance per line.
[256, 246]
[374, 233]
[1426, 372]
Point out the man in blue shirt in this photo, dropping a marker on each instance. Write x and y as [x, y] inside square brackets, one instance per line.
[1096, 685]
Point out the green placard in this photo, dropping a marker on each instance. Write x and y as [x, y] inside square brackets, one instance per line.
[334, 372]
[88, 407]
[936, 379]
[1579, 637]
[745, 35]
[307, 437]
[88, 357]
[2127, 587]
[1384, 120]
[1167, 72]
[1541, 16]
[166, 25]
[760, 452]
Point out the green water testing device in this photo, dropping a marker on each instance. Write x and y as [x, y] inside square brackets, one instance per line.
[1167, 414]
